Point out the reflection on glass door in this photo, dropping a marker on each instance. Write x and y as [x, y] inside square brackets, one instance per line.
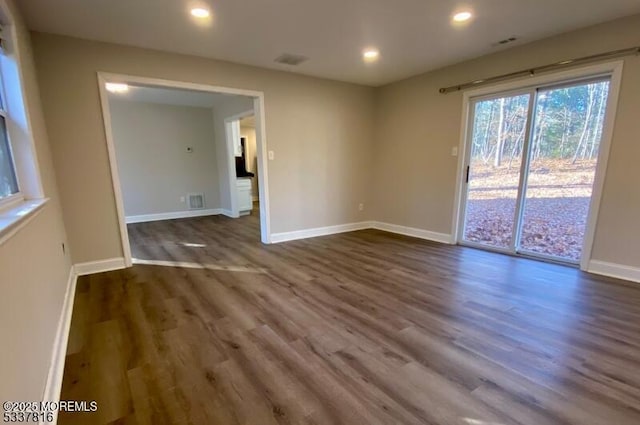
[532, 160]
[563, 155]
[493, 175]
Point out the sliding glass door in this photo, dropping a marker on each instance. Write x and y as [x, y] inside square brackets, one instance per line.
[562, 165]
[532, 158]
[493, 174]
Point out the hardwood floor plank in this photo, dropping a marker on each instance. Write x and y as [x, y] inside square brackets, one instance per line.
[359, 328]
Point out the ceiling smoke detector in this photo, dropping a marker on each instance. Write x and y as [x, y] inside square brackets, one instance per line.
[291, 59]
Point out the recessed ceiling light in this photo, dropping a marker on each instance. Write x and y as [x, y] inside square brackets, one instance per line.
[462, 16]
[200, 12]
[117, 87]
[370, 54]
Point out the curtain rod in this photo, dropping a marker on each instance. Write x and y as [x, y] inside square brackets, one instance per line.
[533, 71]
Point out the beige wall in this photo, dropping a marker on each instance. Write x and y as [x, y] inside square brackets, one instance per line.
[416, 127]
[251, 155]
[154, 166]
[33, 269]
[320, 131]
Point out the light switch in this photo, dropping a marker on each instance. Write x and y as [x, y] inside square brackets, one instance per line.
[454, 151]
[271, 155]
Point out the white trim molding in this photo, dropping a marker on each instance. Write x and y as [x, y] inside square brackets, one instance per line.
[414, 232]
[363, 225]
[319, 231]
[229, 213]
[618, 271]
[113, 166]
[171, 215]
[17, 216]
[53, 386]
[100, 266]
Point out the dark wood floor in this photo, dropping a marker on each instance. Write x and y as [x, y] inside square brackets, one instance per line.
[359, 328]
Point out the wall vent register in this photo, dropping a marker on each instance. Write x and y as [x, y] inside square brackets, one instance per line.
[196, 201]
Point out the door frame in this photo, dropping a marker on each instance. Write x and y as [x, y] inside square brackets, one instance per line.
[228, 122]
[614, 70]
[531, 92]
[261, 145]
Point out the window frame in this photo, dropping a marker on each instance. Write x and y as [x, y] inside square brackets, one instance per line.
[18, 196]
[18, 209]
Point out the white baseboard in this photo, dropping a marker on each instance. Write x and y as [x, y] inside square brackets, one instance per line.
[618, 271]
[53, 385]
[100, 266]
[172, 215]
[414, 232]
[341, 228]
[318, 231]
[229, 213]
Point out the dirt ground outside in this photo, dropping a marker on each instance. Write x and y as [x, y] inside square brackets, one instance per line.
[555, 212]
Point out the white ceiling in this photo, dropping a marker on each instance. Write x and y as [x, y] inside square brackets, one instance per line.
[413, 36]
[248, 121]
[168, 96]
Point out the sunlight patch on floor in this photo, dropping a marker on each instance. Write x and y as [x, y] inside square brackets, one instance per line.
[190, 265]
[471, 421]
[193, 245]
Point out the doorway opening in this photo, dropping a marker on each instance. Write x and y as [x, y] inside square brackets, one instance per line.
[247, 166]
[533, 168]
[175, 172]
[241, 140]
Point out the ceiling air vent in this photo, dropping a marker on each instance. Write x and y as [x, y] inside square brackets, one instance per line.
[290, 59]
[196, 201]
[506, 41]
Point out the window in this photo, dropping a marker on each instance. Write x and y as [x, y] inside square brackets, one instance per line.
[21, 194]
[8, 179]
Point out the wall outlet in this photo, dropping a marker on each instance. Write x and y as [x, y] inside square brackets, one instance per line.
[454, 151]
[183, 199]
[361, 207]
[271, 155]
